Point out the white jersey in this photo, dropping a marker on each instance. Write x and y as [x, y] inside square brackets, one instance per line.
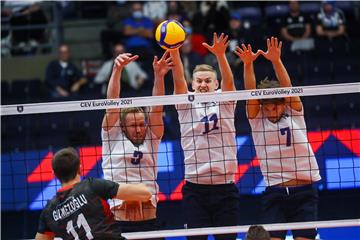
[283, 148]
[208, 142]
[123, 162]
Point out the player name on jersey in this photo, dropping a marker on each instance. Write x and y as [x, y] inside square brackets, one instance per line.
[68, 207]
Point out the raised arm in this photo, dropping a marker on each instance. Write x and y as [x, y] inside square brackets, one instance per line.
[161, 68]
[218, 48]
[180, 85]
[273, 54]
[113, 91]
[248, 58]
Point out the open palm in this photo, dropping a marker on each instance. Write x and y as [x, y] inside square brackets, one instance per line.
[220, 44]
[162, 66]
[246, 54]
[273, 52]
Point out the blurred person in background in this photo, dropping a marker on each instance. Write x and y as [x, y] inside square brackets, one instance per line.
[132, 73]
[330, 28]
[296, 28]
[63, 78]
[23, 14]
[114, 31]
[138, 30]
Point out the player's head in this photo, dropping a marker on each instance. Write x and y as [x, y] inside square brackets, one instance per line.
[204, 79]
[134, 124]
[273, 108]
[64, 52]
[66, 164]
[256, 232]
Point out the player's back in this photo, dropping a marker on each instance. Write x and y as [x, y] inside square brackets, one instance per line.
[81, 212]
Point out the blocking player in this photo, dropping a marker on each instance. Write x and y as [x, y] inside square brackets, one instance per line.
[79, 209]
[286, 158]
[210, 197]
[131, 139]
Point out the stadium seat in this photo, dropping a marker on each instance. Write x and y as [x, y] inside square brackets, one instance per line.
[251, 14]
[5, 91]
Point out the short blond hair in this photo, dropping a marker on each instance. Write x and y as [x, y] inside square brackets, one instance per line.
[266, 83]
[125, 111]
[204, 68]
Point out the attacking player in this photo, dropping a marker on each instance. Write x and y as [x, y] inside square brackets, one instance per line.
[210, 197]
[79, 209]
[131, 139]
[286, 158]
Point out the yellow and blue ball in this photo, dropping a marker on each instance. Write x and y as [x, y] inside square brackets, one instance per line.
[170, 34]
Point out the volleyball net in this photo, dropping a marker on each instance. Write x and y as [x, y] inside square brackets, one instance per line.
[32, 133]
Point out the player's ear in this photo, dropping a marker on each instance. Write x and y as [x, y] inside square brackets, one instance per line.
[217, 84]
[193, 84]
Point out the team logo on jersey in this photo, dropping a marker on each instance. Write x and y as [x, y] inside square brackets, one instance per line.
[20, 109]
[191, 98]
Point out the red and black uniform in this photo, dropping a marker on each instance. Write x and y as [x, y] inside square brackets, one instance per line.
[80, 211]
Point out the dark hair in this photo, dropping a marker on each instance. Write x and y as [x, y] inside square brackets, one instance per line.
[266, 83]
[66, 164]
[257, 232]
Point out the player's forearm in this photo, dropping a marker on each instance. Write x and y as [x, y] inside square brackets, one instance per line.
[307, 31]
[226, 74]
[158, 90]
[286, 35]
[281, 73]
[180, 86]
[113, 90]
[133, 192]
[249, 76]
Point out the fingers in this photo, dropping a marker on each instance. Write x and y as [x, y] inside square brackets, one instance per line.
[257, 54]
[244, 47]
[207, 46]
[268, 44]
[261, 52]
[249, 48]
[280, 44]
[133, 58]
[165, 55]
[155, 60]
[214, 38]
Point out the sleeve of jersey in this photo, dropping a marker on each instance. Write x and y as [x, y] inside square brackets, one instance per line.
[43, 227]
[183, 110]
[104, 188]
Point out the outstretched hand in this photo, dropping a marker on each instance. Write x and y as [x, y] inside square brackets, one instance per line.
[162, 66]
[246, 54]
[220, 44]
[123, 59]
[273, 52]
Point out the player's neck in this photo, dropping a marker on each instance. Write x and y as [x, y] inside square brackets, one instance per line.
[76, 180]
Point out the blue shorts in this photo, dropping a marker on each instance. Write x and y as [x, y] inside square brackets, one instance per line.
[290, 204]
[211, 206]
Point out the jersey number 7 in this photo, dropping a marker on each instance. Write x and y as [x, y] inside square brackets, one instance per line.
[286, 131]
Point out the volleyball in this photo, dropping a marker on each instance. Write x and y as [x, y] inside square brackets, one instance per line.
[170, 34]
